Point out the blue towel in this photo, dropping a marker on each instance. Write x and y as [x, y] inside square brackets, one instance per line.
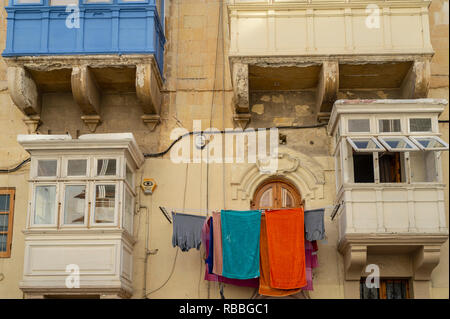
[240, 243]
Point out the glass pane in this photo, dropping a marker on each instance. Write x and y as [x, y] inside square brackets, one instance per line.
[387, 126]
[74, 204]
[4, 203]
[287, 199]
[27, 1]
[47, 167]
[398, 144]
[98, 1]
[106, 167]
[63, 2]
[76, 167]
[3, 240]
[45, 205]
[128, 214]
[105, 203]
[367, 143]
[420, 125]
[4, 219]
[368, 293]
[266, 199]
[362, 125]
[423, 166]
[429, 142]
[129, 176]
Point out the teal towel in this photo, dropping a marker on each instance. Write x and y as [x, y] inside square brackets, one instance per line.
[240, 243]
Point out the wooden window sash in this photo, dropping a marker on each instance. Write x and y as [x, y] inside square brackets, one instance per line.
[11, 193]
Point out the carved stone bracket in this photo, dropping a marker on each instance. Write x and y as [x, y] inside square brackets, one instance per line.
[355, 258]
[87, 95]
[32, 122]
[148, 92]
[25, 95]
[242, 119]
[241, 87]
[151, 120]
[327, 88]
[425, 260]
[91, 121]
[417, 82]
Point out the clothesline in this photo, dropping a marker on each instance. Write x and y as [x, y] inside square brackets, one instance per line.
[165, 210]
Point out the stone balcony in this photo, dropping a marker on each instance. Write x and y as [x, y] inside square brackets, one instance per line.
[115, 46]
[328, 46]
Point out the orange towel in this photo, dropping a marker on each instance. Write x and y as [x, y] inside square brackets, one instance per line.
[264, 268]
[286, 243]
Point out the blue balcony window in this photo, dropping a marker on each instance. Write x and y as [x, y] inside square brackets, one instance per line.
[74, 27]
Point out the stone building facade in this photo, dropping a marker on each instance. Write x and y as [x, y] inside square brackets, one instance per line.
[154, 68]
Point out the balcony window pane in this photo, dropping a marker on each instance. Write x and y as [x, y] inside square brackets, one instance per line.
[423, 167]
[76, 167]
[430, 143]
[98, 1]
[105, 196]
[129, 176]
[361, 125]
[74, 204]
[365, 144]
[128, 214]
[27, 1]
[63, 2]
[420, 125]
[47, 168]
[106, 167]
[45, 205]
[389, 126]
[397, 144]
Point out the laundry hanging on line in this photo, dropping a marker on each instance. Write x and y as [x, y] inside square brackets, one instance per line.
[240, 243]
[206, 236]
[314, 224]
[187, 231]
[264, 279]
[286, 245]
[186, 235]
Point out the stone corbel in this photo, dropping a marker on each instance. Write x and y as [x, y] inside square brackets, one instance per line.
[25, 95]
[241, 98]
[355, 258]
[242, 119]
[87, 95]
[417, 82]
[425, 260]
[148, 92]
[327, 89]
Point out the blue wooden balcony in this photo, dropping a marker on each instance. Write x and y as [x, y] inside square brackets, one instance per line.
[38, 27]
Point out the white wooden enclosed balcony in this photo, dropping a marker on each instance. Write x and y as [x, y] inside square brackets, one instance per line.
[389, 181]
[79, 232]
[328, 45]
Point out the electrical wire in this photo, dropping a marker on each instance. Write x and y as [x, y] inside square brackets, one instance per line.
[229, 131]
[16, 168]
